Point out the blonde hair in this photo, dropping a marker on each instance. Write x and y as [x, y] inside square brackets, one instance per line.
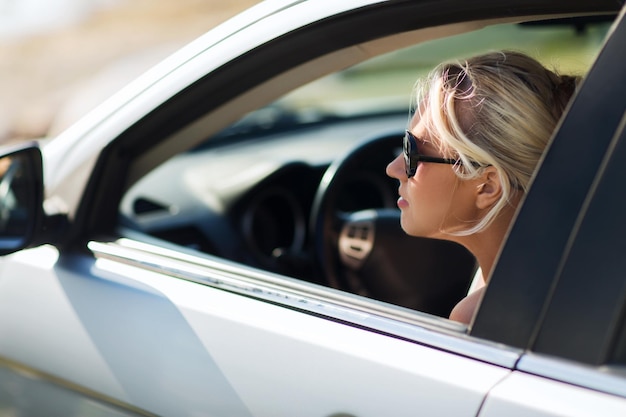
[498, 109]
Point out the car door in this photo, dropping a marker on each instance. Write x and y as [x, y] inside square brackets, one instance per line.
[575, 360]
[129, 327]
[153, 331]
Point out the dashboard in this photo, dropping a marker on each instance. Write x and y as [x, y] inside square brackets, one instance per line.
[251, 198]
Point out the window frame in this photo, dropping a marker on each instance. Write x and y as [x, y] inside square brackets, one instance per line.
[97, 213]
[97, 209]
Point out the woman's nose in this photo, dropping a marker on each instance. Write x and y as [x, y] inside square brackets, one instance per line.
[395, 169]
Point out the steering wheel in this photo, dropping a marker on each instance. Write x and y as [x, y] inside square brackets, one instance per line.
[365, 251]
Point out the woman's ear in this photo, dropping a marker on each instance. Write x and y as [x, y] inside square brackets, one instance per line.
[489, 190]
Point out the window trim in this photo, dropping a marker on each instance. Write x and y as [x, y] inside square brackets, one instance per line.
[308, 298]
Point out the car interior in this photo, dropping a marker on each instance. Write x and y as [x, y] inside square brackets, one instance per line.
[289, 176]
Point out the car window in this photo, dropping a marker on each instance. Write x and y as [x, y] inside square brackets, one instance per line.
[251, 193]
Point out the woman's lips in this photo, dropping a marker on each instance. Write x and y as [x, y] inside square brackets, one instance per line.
[402, 203]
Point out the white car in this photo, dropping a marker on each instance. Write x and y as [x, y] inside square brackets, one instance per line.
[220, 238]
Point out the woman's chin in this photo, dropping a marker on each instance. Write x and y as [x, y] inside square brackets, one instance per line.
[406, 226]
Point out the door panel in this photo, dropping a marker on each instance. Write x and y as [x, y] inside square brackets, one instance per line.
[23, 393]
[175, 347]
[524, 395]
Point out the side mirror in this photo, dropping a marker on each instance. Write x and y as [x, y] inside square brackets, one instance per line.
[21, 197]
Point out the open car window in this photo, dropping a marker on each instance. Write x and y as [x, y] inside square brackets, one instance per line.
[257, 191]
[384, 84]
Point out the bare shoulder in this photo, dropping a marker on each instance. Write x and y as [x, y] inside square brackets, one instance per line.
[464, 311]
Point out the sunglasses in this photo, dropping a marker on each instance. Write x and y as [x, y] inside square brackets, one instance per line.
[412, 157]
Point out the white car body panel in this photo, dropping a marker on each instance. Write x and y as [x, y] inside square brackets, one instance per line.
[524, 395]
[167, 345]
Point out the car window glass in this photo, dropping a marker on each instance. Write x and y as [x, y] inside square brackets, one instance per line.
[247, 194]
[619, 353]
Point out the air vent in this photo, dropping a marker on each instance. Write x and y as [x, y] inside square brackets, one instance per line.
[145, 206]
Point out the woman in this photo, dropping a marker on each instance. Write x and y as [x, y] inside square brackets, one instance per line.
[480, 128]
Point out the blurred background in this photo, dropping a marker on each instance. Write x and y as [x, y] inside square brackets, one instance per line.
[60, 58]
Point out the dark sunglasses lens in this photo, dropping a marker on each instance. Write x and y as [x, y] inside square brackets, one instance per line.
[409, 144]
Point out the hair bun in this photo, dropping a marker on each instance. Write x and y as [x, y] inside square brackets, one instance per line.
[564, 89]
